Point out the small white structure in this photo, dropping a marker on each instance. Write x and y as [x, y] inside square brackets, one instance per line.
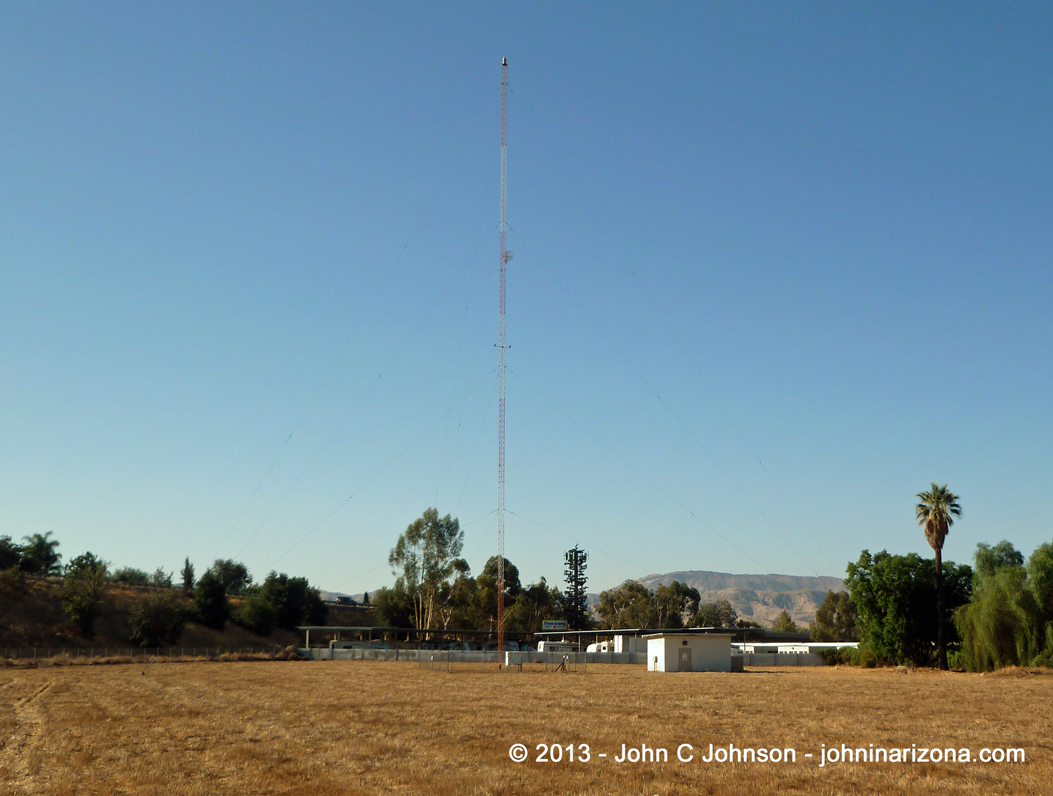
[689, 652]
[624, 643]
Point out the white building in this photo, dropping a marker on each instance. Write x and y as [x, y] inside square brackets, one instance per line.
[689, 652]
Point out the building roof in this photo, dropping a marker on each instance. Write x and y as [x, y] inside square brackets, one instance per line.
[638, 631]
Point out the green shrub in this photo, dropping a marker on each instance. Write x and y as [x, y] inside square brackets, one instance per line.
[957, 660]
[130, 576]
[12, 583]
[257, 614]
[837, 657]
[849, 656]
[865, 657]
[157, 619]
[10, 553]
[281, 601]
[1045, 657]
[161, 579]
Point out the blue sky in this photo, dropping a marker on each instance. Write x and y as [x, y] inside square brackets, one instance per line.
[777, 268]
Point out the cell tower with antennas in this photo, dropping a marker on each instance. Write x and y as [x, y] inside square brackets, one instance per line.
[505, 257]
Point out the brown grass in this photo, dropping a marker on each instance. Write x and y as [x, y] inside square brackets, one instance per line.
[351, 727]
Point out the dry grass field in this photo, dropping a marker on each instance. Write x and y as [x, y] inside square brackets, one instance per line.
[351, 727]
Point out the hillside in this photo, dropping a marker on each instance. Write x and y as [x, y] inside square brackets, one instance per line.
[35, 619]
[759, 598]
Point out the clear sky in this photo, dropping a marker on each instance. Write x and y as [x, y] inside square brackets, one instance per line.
[777, 268]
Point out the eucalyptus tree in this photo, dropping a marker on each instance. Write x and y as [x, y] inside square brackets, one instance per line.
[423, 560]
[720, 613]
[836, 619]
[675, 604]
[935, 512]
[628, 605]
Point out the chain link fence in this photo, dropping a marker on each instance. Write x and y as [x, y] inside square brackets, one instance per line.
[513, 661]
[99, 655]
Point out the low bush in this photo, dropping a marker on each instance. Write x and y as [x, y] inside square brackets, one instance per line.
[130, 576]
[860, 656]
[257, 614]
[13, 583]
[157, 619]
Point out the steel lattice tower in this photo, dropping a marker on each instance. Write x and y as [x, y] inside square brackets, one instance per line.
[505, 257]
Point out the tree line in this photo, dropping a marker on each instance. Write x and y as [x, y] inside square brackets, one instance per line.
[435, 590]
[906, 609]
[671, 606]
[901, 608]
[997, 612]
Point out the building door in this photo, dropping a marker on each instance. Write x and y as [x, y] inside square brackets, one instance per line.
[685, 660]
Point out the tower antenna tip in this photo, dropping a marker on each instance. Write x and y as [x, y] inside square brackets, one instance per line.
[504, 62]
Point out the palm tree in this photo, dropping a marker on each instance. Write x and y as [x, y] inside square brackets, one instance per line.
[935, 513]
[39, 555]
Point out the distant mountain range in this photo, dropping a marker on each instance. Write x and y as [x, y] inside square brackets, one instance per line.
[759, 598]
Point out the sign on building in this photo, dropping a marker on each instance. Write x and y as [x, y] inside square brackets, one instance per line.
[553, 624]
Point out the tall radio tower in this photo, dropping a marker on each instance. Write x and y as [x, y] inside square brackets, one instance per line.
[505, 257]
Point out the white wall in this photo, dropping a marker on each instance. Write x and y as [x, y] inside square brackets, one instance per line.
[709, 652]
[656, 655]
[623, 643]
